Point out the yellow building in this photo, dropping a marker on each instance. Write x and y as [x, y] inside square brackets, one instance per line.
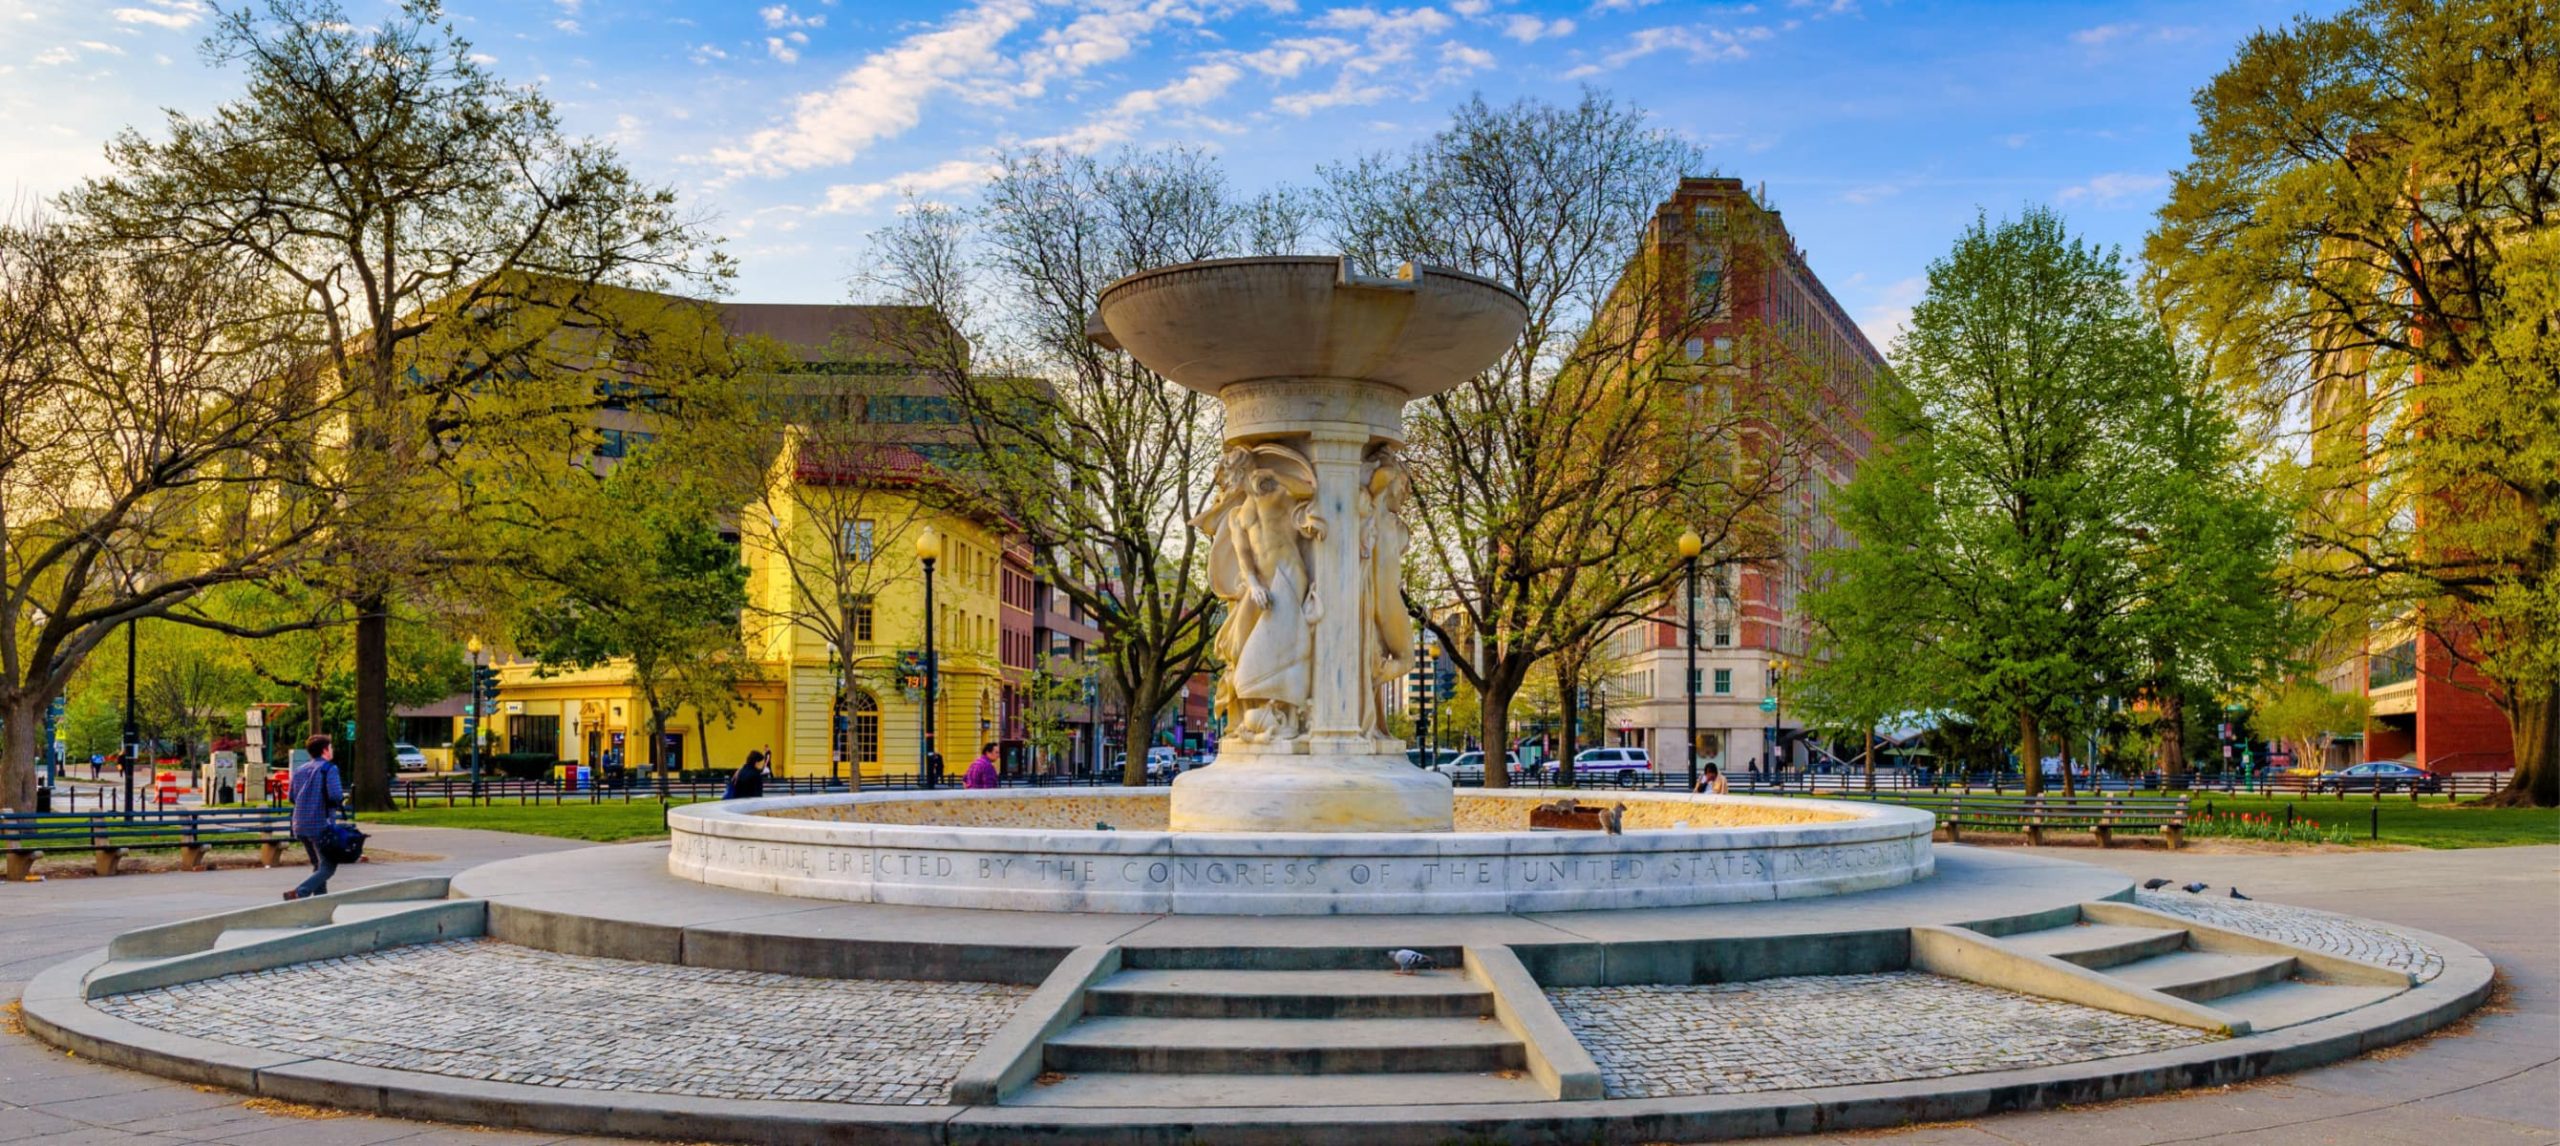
[833, 565]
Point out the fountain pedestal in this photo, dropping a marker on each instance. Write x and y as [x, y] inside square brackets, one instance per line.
[1314, 366]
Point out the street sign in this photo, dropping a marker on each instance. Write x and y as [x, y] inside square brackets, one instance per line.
[1768, 704]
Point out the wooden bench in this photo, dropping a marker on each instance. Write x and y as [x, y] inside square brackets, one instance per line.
[25, 837]
[2100, 814]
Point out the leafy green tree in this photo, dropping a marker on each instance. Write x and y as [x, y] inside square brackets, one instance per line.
[2367, 245]
[651, 583]
[2306, 715]
[449, 254]
[2033, 502]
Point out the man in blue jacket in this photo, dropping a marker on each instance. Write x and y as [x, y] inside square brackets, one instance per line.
[316, 793]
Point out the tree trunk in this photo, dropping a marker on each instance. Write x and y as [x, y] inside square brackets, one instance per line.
[2030, 755]
[2070, 786]
[24, 714]
[1871, 759]
[1496, 697]
[843, 742]
[2536, 783]
[370, 790]
[1135, 739]
[2173, 735]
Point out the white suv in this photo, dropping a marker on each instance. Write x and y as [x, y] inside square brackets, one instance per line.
[1626, 764]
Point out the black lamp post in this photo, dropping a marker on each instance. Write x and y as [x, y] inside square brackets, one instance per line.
[1690, 546]
[929, 550]
[132, 727]
[478, 702]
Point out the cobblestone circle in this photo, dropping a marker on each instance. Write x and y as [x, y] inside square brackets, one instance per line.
[477, 1008]
[2303, 927]
[1836, 1030]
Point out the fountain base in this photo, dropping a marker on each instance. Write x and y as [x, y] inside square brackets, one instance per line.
[1272, 792]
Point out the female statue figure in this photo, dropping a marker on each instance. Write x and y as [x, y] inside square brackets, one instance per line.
[1386, 629]
[1258, 565]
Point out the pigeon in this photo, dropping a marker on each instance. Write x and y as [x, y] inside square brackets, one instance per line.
[1410, 961]
[2154, 884]
[2235, 894]
[2195, 887]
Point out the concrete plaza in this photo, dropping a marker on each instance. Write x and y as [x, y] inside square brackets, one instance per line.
[2492, 1080]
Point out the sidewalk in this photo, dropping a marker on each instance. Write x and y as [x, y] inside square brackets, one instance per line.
[2497, 1080]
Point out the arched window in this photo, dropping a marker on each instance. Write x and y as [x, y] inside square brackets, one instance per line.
[866, 728]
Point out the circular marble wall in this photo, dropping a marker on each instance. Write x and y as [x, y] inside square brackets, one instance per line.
[1035, 850]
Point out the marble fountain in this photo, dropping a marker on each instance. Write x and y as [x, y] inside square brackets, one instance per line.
[1311, 808]
[1210, 963]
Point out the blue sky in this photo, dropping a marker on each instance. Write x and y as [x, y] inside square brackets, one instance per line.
[1878, 128]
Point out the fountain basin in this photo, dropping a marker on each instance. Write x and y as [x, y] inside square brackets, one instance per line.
[1034, 850]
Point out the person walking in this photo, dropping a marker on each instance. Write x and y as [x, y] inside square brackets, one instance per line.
[1711, 780]
[748, 782]
[982, 771]
[316, 792]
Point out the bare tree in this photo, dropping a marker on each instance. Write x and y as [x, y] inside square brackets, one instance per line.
[155, 444]
[1550, 487]
[1095, 459]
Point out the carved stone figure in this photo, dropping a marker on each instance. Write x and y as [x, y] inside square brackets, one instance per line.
[1386, 629]
[1259, 527]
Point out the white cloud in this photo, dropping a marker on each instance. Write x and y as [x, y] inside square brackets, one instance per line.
[1098, 37]
[102, 46]
[1822, 8]
[1284, 59]
[1471, 8]
[1529, 29]
[1700, 45]
[883, 96]
[2112, 188]
[162, 14]
[1870, 193]
[1464, 58]
[569, 27]
[951, 174]
[705, 53]
[1883, 319]
[786, 48]
[781, 16]
[57, 56]
[1203, 83]
[2103, 33]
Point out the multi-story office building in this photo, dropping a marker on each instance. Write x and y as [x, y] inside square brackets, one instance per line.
[1772, 330]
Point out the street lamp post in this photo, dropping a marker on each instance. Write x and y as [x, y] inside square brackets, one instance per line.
[1777, 712]
[132, 726]
[928, 551]
[1690, 546]
[477, 689]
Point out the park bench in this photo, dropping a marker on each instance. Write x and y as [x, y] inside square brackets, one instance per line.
[2100, 814]
[25, 837]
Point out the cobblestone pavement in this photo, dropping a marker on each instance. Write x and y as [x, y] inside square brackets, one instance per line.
[477, 1008]
[2303, 927]
[1836, 1030]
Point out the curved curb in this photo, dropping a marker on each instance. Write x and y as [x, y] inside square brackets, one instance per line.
[55, 1012]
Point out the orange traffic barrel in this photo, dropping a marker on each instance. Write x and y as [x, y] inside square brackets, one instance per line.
[168, 786]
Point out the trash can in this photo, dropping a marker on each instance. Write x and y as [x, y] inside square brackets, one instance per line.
[44, 798]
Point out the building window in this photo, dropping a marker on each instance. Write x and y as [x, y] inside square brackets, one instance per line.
[857, 539]
[1724, 681]
[866, 728]
[860, 620]
[426, 731]
[539, 734]
[1724, 633]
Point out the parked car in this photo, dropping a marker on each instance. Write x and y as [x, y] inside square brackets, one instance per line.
[1626, 765]
[407, 758]
[1434, 759]
[2379, 776]
[1468, 768]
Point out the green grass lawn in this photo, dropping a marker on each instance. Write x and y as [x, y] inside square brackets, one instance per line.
[610, 821]
[2429, 823]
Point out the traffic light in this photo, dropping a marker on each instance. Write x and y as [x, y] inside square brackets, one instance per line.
[484, 682]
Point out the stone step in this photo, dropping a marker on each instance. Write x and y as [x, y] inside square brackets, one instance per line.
[1283, 1046]
[237, 936]
[1197, 1091]
[2198, 976]
[359, 912]
[2100, 945]
[1276, 958]
[2286, 1004]
[1214, 994]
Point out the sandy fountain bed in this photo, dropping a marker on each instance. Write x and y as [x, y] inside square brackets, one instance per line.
[1046, 851]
